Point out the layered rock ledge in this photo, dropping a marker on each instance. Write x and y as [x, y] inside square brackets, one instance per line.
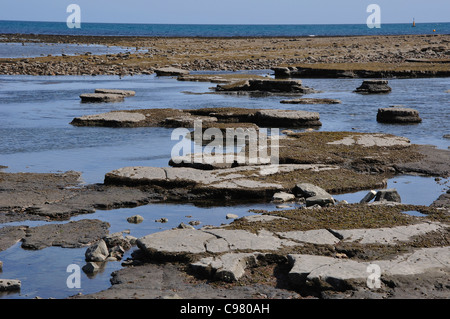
[237, 182]
[400, 115]
[186, 118]
[314, 260]
[268, 86]
[374, 87]
[311, 101]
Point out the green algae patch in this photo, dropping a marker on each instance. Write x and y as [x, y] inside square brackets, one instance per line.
[334, 181]
[322, 148]
[351, 216]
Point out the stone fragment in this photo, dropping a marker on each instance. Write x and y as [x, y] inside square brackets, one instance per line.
[101, 97]
[370, 195]
[136, 219]
[91, 267]
[283, 197]
[228, 267]
[287, 118]
[389, 195]
[314, 195]
[309, 190]
[110, 119]
[320, 200]
[97, 252]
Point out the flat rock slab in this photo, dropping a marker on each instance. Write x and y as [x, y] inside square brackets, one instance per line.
[311, 101]
[238, 179]
[101, 97]
[400, 115]
[114, 91]
[222, 118]
[368, 140]
[287, 118]
[182, 244]
[229, 240]
[170, 71]
[74, 234]
[265, 85]
[111, 119]
[343, 274]
[387, 236]
[176, 242]
[319, 237]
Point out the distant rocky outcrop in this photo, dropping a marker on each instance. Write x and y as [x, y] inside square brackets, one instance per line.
[186, 118]
[311, 101]
[266, 86]
[170, 71]
[337, 71]
[374, 87]
[10, 285]
[106, 95]
[101, 97]
[401, 115]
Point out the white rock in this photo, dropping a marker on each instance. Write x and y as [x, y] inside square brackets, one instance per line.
[10, 284]
[283, 197]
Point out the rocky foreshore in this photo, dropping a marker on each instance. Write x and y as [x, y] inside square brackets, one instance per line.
[399, 56]
[313, 246]
[322, 249]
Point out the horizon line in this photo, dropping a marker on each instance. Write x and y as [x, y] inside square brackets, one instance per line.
[222, 24]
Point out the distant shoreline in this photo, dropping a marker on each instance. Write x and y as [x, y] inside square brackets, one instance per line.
[385, 56]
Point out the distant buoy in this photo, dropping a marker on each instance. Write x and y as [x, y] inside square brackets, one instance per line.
[434, 30]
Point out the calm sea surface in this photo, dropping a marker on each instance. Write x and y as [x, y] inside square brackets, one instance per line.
[218, 30]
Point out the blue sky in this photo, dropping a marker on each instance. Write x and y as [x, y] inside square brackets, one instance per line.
[228, 11]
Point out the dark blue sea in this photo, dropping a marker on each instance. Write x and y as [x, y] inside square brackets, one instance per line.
[213, 30]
